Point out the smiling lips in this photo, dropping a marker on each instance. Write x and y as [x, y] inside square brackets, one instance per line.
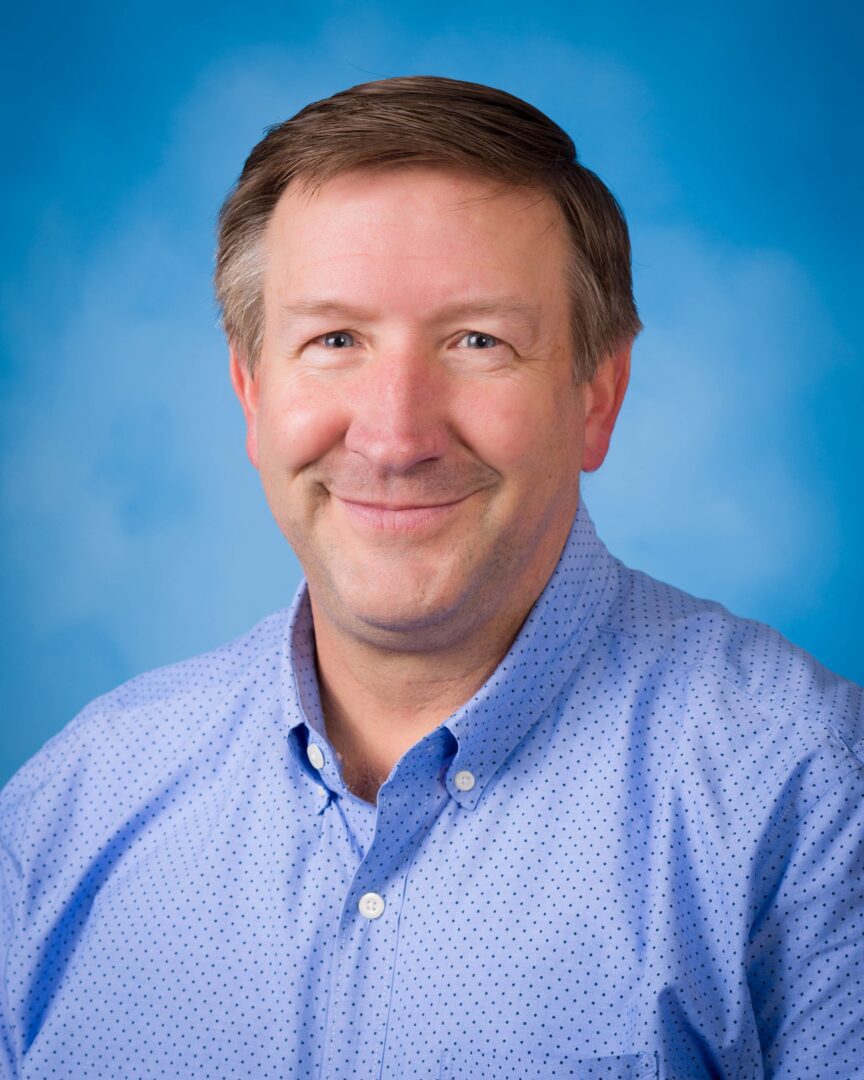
[389, 518]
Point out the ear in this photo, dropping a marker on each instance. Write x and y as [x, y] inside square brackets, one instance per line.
[604, 394]
[245, 385]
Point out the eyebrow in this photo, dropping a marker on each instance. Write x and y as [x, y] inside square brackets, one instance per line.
[513, 307]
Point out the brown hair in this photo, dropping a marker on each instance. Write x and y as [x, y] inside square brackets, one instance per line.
[428, 120]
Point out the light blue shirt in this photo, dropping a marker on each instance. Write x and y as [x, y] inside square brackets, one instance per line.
[638, 851]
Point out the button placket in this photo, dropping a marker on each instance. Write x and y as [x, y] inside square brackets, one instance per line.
[369, 927]
[365, 958]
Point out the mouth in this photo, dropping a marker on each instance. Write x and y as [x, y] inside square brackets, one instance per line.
[397, 517]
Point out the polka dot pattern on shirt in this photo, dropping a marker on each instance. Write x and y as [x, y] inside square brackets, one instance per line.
[638, 851]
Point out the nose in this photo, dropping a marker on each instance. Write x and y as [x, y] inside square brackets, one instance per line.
[398, 410]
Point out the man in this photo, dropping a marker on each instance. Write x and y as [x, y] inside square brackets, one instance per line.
[483, 802]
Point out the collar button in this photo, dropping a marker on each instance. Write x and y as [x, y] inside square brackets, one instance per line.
[464, 780]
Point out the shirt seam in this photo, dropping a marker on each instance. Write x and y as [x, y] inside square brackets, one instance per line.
[793, 711]
[680, 670]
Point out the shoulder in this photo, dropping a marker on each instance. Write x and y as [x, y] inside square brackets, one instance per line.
[137, 739]
[749, 705]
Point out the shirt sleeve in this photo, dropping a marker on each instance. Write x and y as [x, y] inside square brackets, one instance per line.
[7, 1060]
[806, 970]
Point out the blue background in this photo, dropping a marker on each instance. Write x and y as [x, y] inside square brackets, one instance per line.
[134, 532]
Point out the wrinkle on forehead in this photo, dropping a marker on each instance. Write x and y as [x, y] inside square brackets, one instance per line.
[306, 194]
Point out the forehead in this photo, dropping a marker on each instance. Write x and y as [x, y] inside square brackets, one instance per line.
[417, 226]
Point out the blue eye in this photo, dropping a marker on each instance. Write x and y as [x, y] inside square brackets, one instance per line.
[338, 339]
[478, 340]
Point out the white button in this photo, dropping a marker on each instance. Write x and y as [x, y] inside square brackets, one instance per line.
[371, 905]
[320, 789]
[314, 754]
[464, 780]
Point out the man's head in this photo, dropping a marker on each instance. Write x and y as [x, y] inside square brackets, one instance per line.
[405, 354]
[427, 120]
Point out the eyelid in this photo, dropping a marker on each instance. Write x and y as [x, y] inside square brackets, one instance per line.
[481, 333]
[319, 338]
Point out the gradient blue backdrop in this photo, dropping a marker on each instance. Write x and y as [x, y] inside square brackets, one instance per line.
[133, 529]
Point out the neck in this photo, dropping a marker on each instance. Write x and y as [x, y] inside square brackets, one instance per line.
[378, 702]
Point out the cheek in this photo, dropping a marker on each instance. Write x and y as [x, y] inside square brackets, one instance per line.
[517, 430]
[297, 427]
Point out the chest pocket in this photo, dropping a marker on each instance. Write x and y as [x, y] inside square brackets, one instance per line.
[475, 1064]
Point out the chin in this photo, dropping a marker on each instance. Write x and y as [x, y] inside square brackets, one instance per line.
[403, 595]
[399, 610]
[399, 615]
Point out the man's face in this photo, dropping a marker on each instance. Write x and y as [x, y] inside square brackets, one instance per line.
[414, 414]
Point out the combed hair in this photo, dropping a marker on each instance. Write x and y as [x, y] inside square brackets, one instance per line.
[428, 120]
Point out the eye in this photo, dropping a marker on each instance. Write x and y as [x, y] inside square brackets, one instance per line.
[337, 339]
[476, 339]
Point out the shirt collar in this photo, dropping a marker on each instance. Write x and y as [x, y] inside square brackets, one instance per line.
[487, 729]
[547, 649]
